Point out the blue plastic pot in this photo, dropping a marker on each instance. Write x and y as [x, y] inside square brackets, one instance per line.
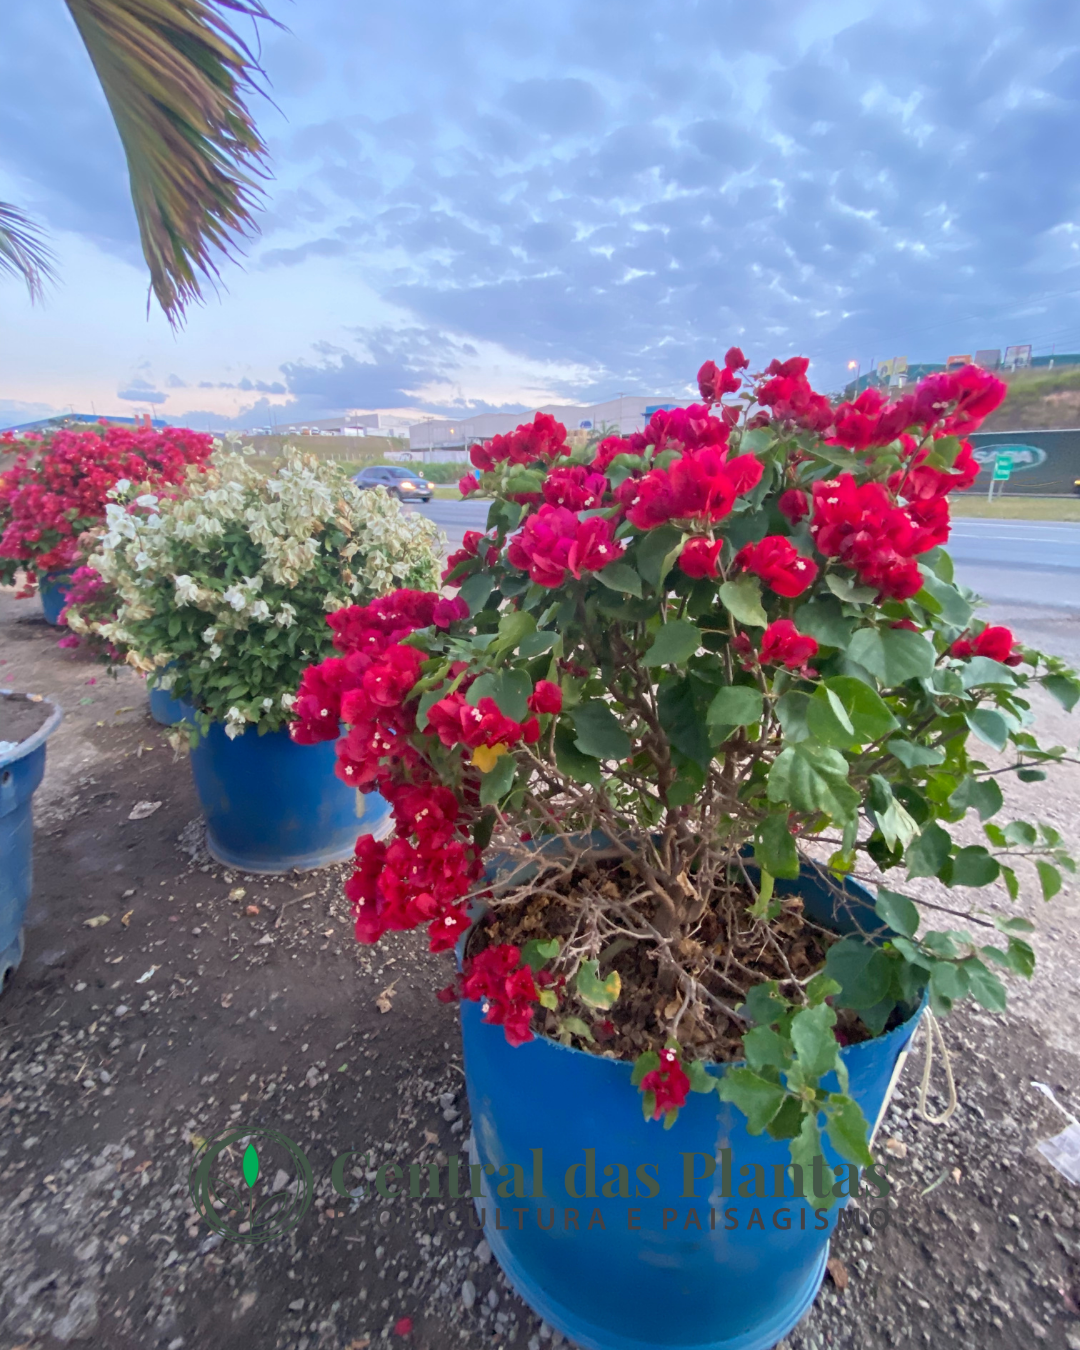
[54, 587]
[165, 709]
[638, 1282]
[21, 770]
[272, 805]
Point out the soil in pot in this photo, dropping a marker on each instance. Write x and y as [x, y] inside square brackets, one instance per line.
[20, 716]
[727, 950]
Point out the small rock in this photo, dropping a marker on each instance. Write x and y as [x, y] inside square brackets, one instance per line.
[483, 1252]
[468, 1294]
[451, 1113]
[896, 1147]
[80, 1319]
[545, 1332]
[120, 1010]
[447, 1099]
[492, 1299]
[244, 1303]
[208, 1244]
[1072, 1340]
[88, 1250]
[297, 1305]
[281, 1180]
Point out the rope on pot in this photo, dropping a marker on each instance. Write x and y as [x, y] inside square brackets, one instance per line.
[933, 1032]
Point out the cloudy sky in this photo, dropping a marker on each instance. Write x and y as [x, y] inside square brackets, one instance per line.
[479, 205]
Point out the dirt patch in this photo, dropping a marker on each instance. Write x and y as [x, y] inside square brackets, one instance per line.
[20, 716]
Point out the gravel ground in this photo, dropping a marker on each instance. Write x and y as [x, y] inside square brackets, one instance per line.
[277, 1018]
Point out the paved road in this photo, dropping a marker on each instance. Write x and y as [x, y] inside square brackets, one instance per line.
[1028, 562]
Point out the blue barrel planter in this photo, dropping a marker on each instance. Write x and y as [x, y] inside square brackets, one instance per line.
[638, 1273]
[54, 587]
[21, 770]
[165, 709]
[272, 805]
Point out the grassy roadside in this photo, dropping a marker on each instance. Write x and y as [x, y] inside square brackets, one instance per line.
[1017, 508]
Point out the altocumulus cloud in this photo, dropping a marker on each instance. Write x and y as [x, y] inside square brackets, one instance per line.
[630, 185]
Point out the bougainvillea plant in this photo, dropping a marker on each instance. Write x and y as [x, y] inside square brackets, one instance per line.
[224, 588]
[680, 669]
[59, 486]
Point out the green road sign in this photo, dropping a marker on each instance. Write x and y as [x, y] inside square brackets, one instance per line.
[1002, 468]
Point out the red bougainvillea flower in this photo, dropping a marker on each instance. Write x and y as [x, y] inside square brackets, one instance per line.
[871, 421]
[958, 401]
[793, 505]
[860, 525]
[699, 557]
[787, 392]
[447, 612]
[403, 1326]
[715, 381]
[669, 1083]
[701, 485]
[996, 642]
[456, 722]
[473, 545]
[546, 697]
[506, 989]
[468, 484]
[783, 645]
[575, 487]
[777, 562]
[554, 542]
[541, 439]
[606, 451]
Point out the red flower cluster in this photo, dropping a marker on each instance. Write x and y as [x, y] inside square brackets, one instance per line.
[58, 489]
[506, 989]
[669, 1083]
[554, 542]
[473, 545]
[715, 381]
[776, 561]
[543, 438]
[860, 525]
[997, 643]
[793, 505]
[545, 698]
[456, 722]
[781, 645]
[701, 485]
[575, 487]
[788, 393]
[699, 557]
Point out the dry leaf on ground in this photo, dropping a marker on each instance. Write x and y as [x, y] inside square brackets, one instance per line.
[383, 1002]
[96, 921]
[838, 1271]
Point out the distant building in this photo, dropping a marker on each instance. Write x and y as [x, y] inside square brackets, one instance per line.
[446, 438]
[347, 424]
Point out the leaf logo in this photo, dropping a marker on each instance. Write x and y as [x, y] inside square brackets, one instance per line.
[225, 1184]
[251, 1165]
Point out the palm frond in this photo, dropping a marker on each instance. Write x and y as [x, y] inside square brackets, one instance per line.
[23, 251]
[176, 76]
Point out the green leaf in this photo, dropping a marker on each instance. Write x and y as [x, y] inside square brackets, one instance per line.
[736, 705]
[599, 732]
[982, 794]
[1063, 688]
[862, 971]
[1023, 956]
[537, 952]
[823, 620]
[980, 671]
[848, 1130]
[619, 576]
[592, 990]
[513, 626]
[805, 1147]
[700, 1078]
[913, 756]
[774, 847]
[570, 761]
[813, 778]
[896, 824]
[868, 712]
[894, 655]
[989, 726]
[1012, 884]
[476, 589]
[742, 599]
[674, 644]
[897, 911]
[757, 1098]
[954, 609]
[495, 785]
[1049, 879]
[1020, 832]
[535, 644]
[929, 853]
[250, 1165]
[766, 1048]
[984, 986]
[574, 1026]
[1013, 925]
[656, 554]
[948, 981]
[792, 710]
[645, 1063]
[812, 1036]
[682, 717]
[847, 589]
[762, 1007]
[974, 866]
[827, 720]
